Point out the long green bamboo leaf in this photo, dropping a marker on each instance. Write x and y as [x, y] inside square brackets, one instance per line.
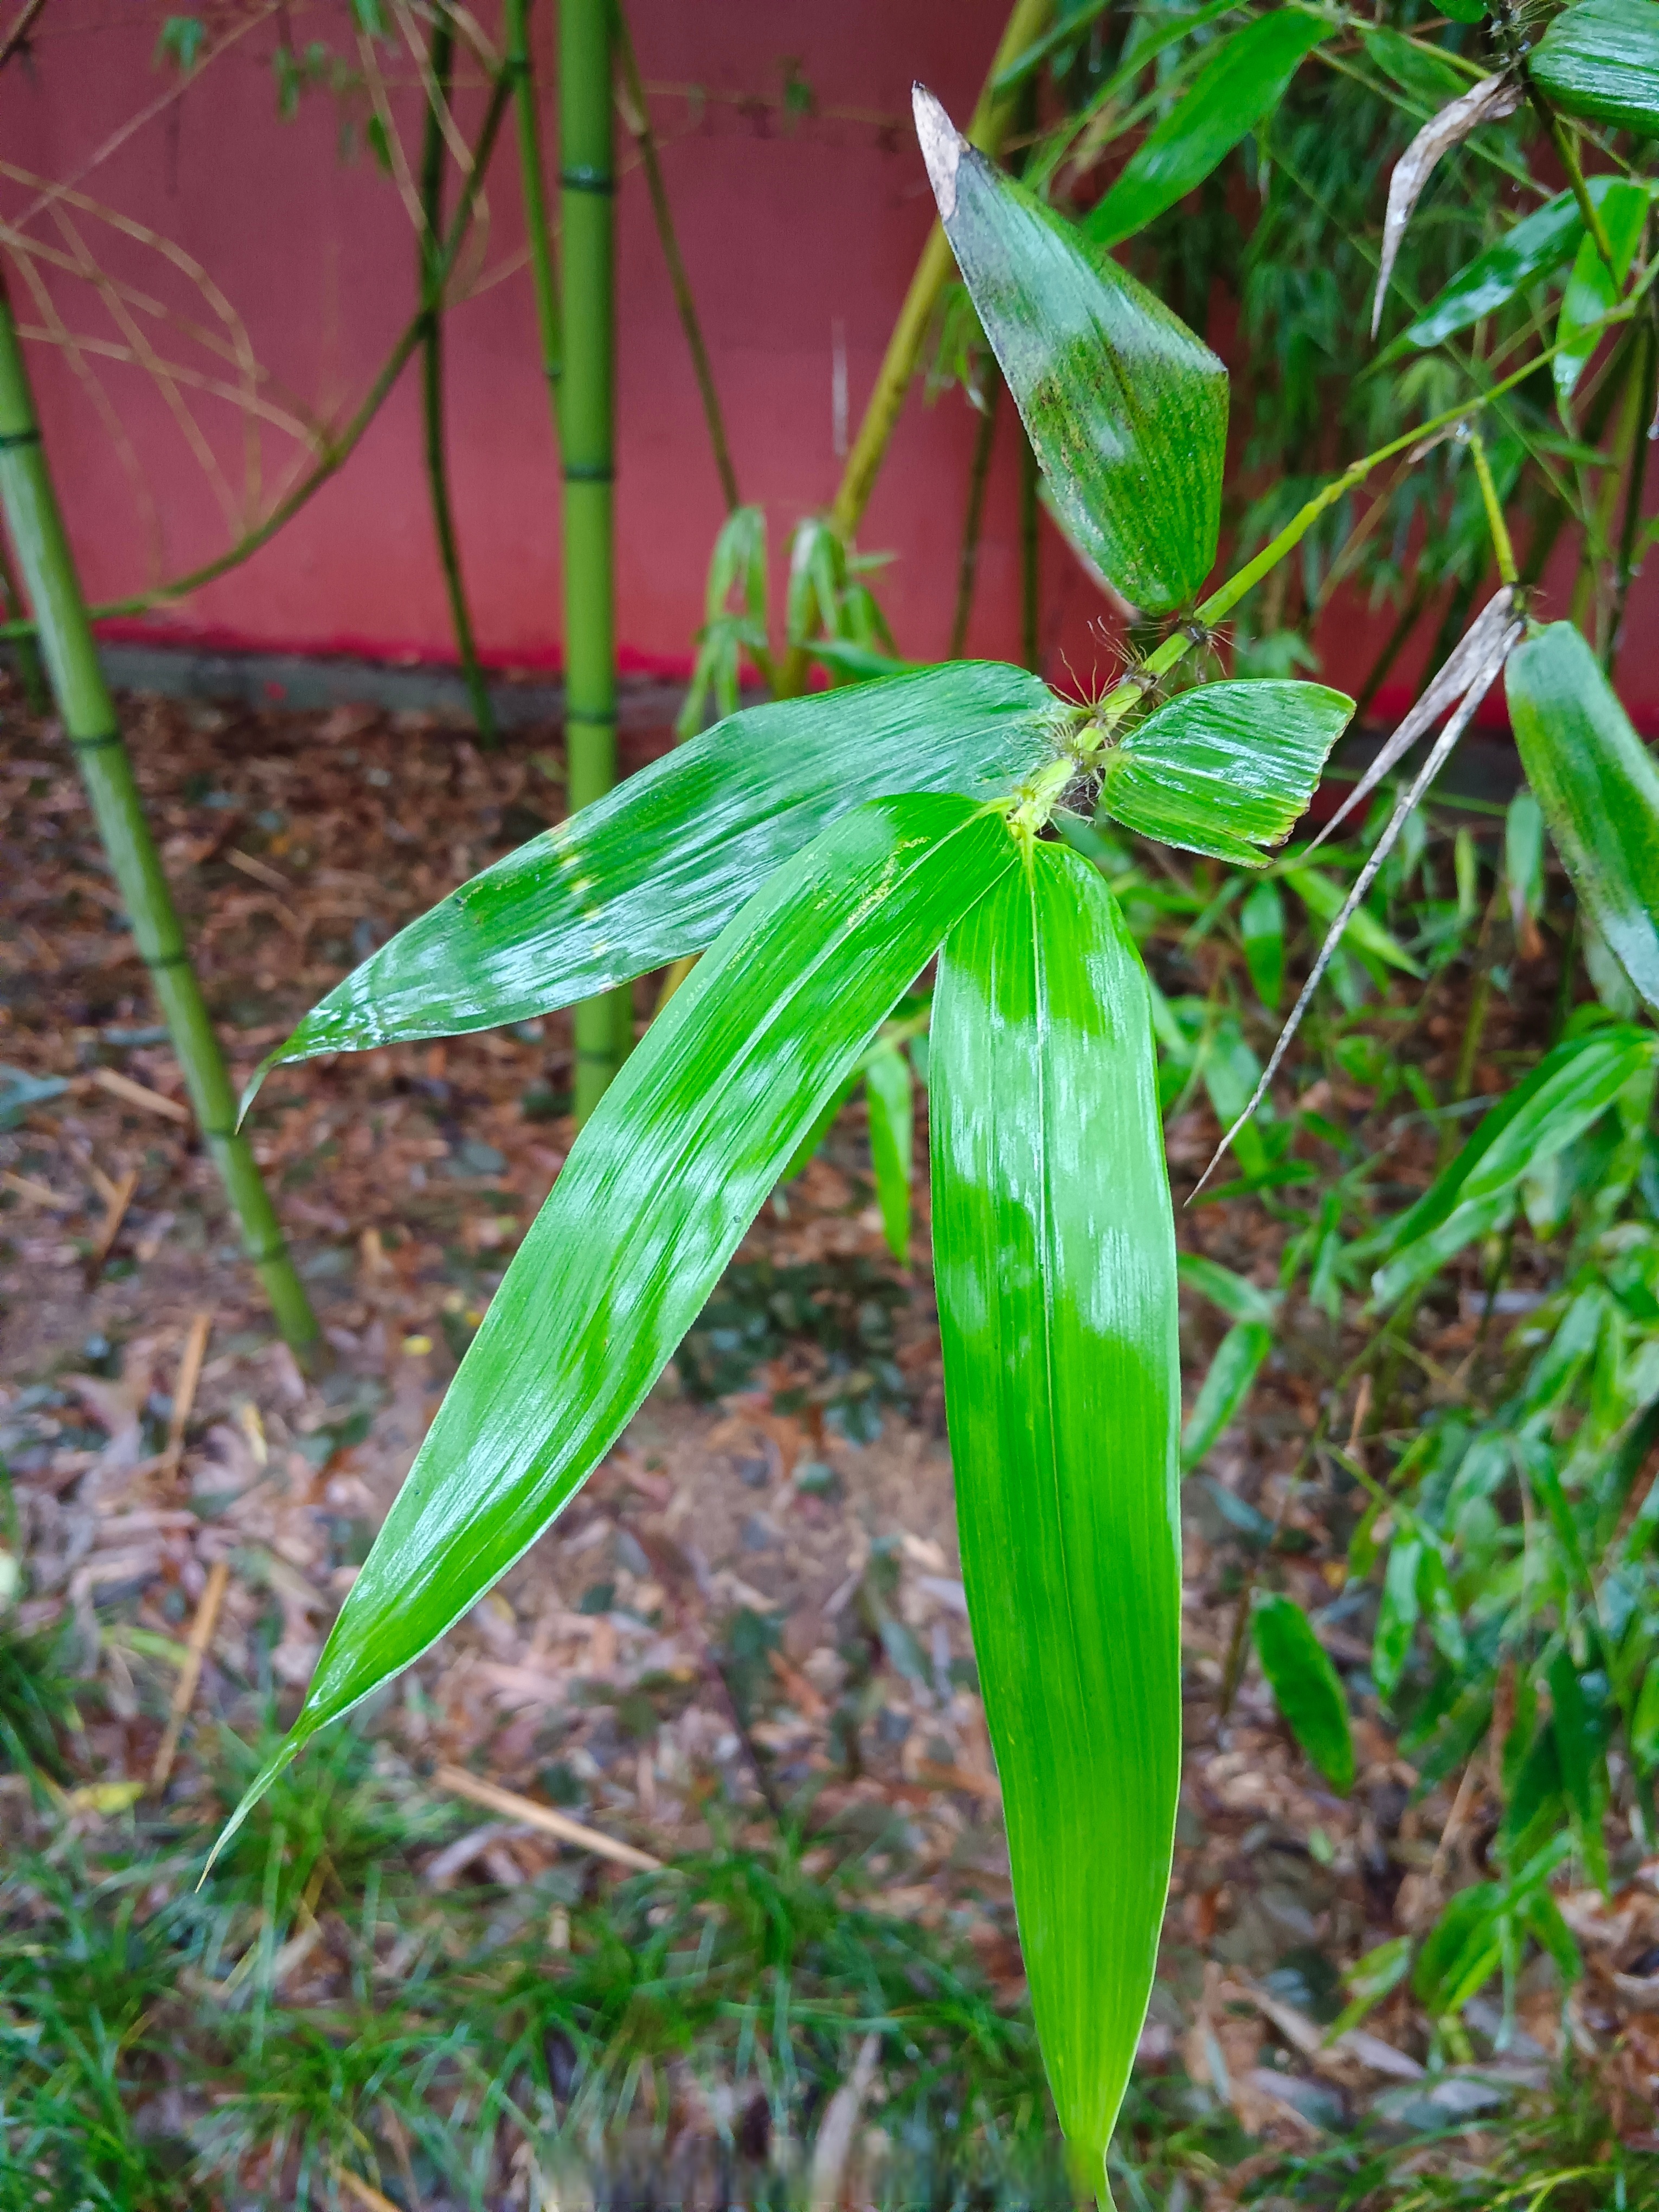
[1125, 408]
[1536, 247]
[1055, 1266]
[1226, 768]
[1570, 1087]
[1245, 78]
[1602, 60]
[1599, 788]
[1306, 1687]
[658, 867]
[1593, 288]
[657, 1189]
[889, 1094]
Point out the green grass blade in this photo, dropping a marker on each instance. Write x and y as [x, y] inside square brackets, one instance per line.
[889, 1092]
[1602, 60]
[1125, 408]
[1055, 1266]
[1599, 788]
[1262, 929]
[1306, 1687]
[1570, 1087]
[1226, 769]
[653, 1201]
[1237, 1362]
[1244, 80]
[658, 867]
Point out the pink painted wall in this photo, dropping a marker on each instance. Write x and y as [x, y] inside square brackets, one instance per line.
[793, 228]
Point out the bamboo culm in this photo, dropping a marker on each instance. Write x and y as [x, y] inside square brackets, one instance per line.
[443, 66]
[89, 715]
[603, 1026]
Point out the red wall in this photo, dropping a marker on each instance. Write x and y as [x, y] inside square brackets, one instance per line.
[791, 226]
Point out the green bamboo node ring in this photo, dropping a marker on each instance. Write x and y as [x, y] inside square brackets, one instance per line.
[11, 438]
[587, 180]
[602, 472]
[165, 960]
[103, 742]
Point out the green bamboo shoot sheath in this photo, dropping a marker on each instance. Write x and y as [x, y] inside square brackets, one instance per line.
[587, 416]
[1055, 1266]
[88, 716]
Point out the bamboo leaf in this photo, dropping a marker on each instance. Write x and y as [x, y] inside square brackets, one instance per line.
[657, 1189]
[1602, 60]
[658, 867]
[1245, 78]
[1584, 1764]
[888, 1091]
[1535, 247]
[1593, 288]
[1599, 788]
[1262, 929]
[1125, 408]
[1226, 1385]
[1570, 1087]
[1493, 98]
[1324, 898]
[1055, 1262]
[1398, 1614]
[1306, 1687]
[1226, 769]
[1238, 1298]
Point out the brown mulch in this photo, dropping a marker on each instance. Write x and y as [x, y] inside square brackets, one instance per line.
[602, 1669]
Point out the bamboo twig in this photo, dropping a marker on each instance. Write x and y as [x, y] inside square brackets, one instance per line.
[190, 1675]
[117, 1201]
[22, 24]
[637, 117]
[973, 521]
[139, 1094]
[185, 1387]
[495, 1799]
[441, 67]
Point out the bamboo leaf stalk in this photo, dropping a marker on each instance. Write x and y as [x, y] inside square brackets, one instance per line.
[442, 54]
[521, 70]
[587, 419]
[637, 116]
[89, 720]
[1027, 21]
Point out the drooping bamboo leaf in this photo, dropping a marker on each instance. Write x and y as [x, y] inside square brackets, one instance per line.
[1244, 79]
[1238, 1298]
[1226, 1385]
[1570, 1087]
[1055, 1260]
[1584, 1764]
[1599, 788]
[1306, 1687]
[1227, 769]
[1125, 408]
[887, 1088]
[1536, 247]
[1601, 59]
[1493, 98]
[659, 866]
[657, 1189]
[1262, 931]
[1397, 1615]
[1593, 288]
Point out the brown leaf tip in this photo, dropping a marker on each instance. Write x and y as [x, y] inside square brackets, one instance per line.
[942, 145]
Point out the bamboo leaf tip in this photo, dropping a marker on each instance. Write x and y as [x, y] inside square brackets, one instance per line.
[942, 145]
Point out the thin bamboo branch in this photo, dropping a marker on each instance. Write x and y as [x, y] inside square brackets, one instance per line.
[973, 521]
[986, 128]
[1636, 472]
[441, 66]
[337, 450]
[22, 24]
[90, 721]
[587, 419]
[637, 117]
[543, 277]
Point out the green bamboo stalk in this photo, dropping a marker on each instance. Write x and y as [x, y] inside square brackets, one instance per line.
[90, 721]
[587, 419]
[26, 650]
[521, 70]
[441, 57]
[637, 116]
